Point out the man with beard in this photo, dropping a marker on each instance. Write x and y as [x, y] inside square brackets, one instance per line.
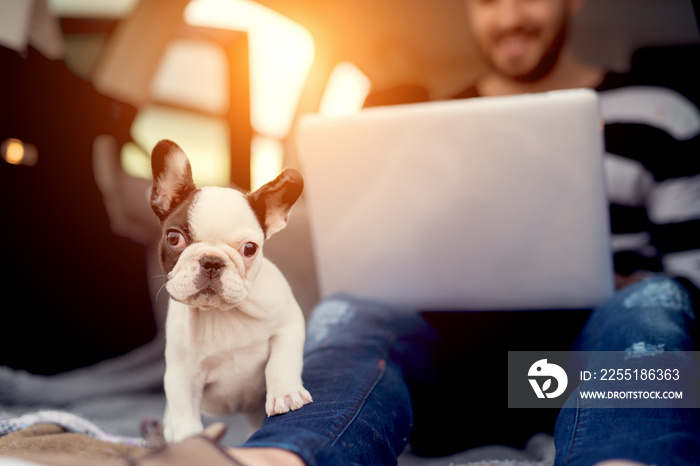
[652, 174]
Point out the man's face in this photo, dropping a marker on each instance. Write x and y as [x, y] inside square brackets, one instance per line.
[520, 39]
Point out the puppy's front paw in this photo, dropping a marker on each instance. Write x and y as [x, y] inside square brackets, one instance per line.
[287, 400]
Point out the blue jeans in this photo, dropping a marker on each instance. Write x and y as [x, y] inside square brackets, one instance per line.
[656, 314]
[382, 377]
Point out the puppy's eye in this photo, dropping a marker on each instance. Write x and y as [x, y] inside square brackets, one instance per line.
[176, 240]
[248, 249]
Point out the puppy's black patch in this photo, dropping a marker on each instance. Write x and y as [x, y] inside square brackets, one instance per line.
[178, 219]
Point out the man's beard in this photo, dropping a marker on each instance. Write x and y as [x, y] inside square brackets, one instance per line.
[544, 66]
[549, 59]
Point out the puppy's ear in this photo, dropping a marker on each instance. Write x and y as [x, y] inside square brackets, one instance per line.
[272, 202]
[172, 178]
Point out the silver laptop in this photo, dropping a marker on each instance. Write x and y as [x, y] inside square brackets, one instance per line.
[481, 204]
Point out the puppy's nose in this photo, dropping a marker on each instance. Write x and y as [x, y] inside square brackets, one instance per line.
[211, 265]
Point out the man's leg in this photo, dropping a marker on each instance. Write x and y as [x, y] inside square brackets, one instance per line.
[656, 314]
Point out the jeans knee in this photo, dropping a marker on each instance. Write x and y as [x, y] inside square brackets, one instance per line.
[359, 325]
[326, 316]
[659, 292]
[342, 318]
[656, 311]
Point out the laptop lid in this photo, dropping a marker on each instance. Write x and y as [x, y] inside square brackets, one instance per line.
[478, 204]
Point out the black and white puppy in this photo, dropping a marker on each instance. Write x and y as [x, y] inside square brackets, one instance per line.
[234, 332]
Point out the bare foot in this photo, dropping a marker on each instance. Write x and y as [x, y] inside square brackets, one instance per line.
[265, 457]
[254, 456]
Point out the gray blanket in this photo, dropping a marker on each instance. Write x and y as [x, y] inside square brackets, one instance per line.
[110, 399]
